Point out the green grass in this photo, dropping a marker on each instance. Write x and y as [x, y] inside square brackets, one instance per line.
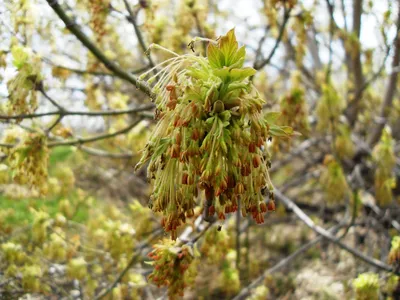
[22, 214]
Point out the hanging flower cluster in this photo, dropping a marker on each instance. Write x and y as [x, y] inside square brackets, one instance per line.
[366, 286]
[22, 87]
[394, 254]
[229, 279]
[99, 10]
[344, 146]
[29, 160]
[215, 245]
[385, 181]
[287, 3]
[294, 108]
[334, 181]
[189, 15]
[211, 135]
[329, 107]
[301, 25]
[173, 266]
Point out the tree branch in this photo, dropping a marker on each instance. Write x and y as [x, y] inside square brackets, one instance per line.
[132, 20]
[353, 108]
[281, 264]
[80, 113]
[326, 234]
[74, 29]
[99, 137]
[131, 262]
[286, 17]
[390, 90]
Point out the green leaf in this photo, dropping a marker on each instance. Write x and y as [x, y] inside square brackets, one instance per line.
[229, 47]
[281, 131]
[227, 53]
[240, 74]
[238, 58]
[228, 74]
[210, 121]
[20, 56]
[271, 117]
[215, 56]
[198, 73]
[225, 116]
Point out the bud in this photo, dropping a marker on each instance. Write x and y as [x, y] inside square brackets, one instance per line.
[259, 218]
[271, 205]
[185, 178]
[263, 207]
[195, 134]
[175, 151]
[260, 141]
[239, 189]
[171, 104]
[231, 182]
[223, 185]
[190, 180]
[252, 147]
[256, 161]
[245, 171]
[178, 138]
[218, 107]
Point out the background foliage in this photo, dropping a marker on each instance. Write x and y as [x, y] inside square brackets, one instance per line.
[76, 114]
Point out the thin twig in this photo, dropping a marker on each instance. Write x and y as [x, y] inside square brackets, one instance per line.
[99, 137]
[281, 264]
[326, 234]
[139, 35]
[286, 16]
[390, 90]
[131, 262]
[80, 113]
[73, 28]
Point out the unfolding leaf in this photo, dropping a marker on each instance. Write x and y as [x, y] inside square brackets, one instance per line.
[281, 131]
[271, 117]
[215, 56]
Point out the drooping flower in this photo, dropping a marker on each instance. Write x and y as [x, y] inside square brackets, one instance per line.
[174, 266]
[383, 155]
[22, 87]
[333, 181]
[29, 161]
[211, 135]
[394, 254]
[366, 286]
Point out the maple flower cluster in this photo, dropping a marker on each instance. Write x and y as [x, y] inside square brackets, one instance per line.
[29, 161]
[99, 10]
[333, 181]
[294, 108]
[366, 286]
[173, 266]
[22, 87]
[383, 155]
[211, 135]
[394, 254]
